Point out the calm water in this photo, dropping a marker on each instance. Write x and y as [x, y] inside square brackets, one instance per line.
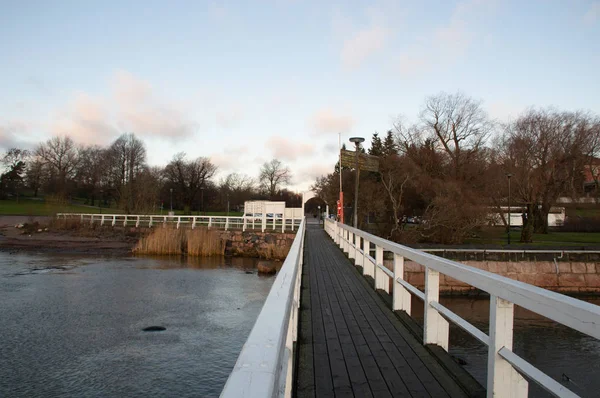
[77, 331]
[552, 348]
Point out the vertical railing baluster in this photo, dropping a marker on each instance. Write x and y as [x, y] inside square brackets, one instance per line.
[502, 380]
[401, 297]
[434, 325]
[377, 271]
[137, 223]
[365, 258]
[102, 220]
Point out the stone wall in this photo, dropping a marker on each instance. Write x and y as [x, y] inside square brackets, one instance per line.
[253, 243]
[561, 276]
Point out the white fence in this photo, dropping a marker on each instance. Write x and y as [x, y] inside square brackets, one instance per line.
[264, 366]
[506, 370]
[147, 220]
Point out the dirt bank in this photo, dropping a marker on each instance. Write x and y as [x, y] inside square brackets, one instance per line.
[54, 240]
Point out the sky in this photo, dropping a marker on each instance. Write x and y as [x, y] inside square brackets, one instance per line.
[243, 82]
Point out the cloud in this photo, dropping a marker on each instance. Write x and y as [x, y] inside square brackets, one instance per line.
[86, 120]
[593, 13]
[412, 65]
[326, 121]
[504, 111]
[306, 176]
[11, 133]
[450, 41]
[362, 44]
[288, 150]
[138, 111]
[230, 118]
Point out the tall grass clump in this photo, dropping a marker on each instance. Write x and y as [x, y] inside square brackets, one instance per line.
[195, 242]
[204, 242]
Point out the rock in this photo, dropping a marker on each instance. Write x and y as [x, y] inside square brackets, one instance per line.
[266, 268]
[154, 329]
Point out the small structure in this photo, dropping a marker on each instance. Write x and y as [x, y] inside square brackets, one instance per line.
[267, 208]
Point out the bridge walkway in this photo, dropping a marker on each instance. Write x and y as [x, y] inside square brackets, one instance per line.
[350, 343]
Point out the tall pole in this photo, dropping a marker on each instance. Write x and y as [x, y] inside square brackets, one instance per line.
[356, 141]
[508, 235]
[171, 199]
[202, 199]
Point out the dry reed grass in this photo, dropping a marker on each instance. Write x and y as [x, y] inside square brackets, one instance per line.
[194, 242]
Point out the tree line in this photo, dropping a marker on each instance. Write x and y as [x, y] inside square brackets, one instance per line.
[452, 168]
[119, 175]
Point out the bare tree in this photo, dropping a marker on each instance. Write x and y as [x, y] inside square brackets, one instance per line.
[546, 151]
[91, 170]
[126, 159]
[61, 157]
[459, 125]
[274, 176]
[394, 177]
[188, 177]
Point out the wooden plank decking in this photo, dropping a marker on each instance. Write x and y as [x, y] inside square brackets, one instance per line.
[350, 343]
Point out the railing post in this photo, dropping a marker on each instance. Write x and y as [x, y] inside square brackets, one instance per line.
[137, 223]
[378, 273]
[435, 326]
[351, 252]
[365, 260]
[245, 224]
[283, 223]
[125, 221]
[92, 219]
[102, 220]
[263, 222]
[209, 222]
[150, 222]
[401, 297]
[502, 380]
[226, 223]
[114, 221]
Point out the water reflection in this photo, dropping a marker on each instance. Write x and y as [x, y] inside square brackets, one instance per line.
[72, 326]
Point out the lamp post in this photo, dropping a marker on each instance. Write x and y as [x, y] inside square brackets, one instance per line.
[319, 214]
[356, 141]
[101, 198]
[202, 199]
[171, 198]
[227, 205]
[508, 175]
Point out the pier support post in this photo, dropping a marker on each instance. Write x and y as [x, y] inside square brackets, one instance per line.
[502, 380]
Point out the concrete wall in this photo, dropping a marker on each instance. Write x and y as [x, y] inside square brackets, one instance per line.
[570, 277]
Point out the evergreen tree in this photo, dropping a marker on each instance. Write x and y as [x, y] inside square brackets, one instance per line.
[389, 145]
[376, 146]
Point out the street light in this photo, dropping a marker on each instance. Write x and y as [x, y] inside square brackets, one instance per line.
[356, 141]
[202, 199]
[101, 198]
[319, 214]
[508, 175]
[171, 198]
[227, 205]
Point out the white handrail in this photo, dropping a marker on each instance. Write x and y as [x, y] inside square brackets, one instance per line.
[504, 368]
[225, 222]
[264, 366]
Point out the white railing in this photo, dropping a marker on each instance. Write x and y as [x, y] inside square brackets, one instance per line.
[505, 369]
[221, 222]
[264, 366]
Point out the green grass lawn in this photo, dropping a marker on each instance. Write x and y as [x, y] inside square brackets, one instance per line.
[497, 236]
[28, 207]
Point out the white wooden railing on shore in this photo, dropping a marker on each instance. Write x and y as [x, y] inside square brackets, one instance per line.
[221, 222]
[264, 366]
[506, 371]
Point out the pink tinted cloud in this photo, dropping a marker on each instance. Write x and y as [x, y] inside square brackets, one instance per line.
[328, 121]
[288, 150]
